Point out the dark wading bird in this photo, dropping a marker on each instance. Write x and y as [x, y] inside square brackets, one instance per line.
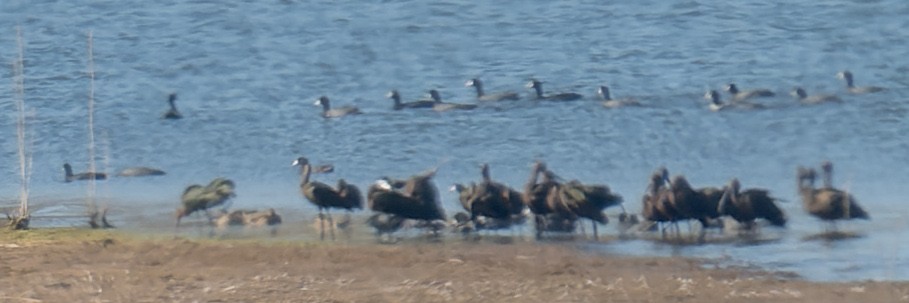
[652, 203]
[483, 96]
[850, 85]
[542, 198]
[415, 198]
[828, 204]
[589, 201]
[685, 203]
[398, 105]
[385, 224]
[346, 196]
[172, 113]
[749, 205]
[492, 200]
[328, 112]
[69, 176]
[742, 95]
[537, 87]
[200, 198]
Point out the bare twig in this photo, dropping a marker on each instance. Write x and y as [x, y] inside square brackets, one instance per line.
[22, 219]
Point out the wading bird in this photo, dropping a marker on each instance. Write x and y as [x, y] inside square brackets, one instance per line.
[325, 198]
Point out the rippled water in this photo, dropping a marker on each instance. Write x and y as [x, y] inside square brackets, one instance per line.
[248, 72]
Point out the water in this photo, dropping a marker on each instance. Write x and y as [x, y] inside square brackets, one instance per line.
[248, 72]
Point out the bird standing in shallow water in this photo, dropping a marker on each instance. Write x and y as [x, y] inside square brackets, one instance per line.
[749, 205]
[347, 196]
[828, 204]
[200, 198]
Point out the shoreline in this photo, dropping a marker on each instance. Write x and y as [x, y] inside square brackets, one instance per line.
[56, 265]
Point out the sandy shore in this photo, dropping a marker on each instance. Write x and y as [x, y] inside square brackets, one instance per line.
[78, 265]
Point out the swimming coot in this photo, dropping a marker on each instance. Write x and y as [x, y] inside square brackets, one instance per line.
[329, 112]
[803, 97]
[717, 104]
[850, 86]
[172, 113]
[398, 105]
[440, 106]
[69, 176]
[742, 95]
[482, 96]
[140, 171]
[609, 102]
[537, 86]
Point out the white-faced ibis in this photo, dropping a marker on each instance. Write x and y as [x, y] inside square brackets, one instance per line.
[656, 199]
[416, 198]
[542, 198]
[589, 201]
[749, 205]
[827, 204]
[200, 198]
[385, 224]
[324, 197]
[494, 200]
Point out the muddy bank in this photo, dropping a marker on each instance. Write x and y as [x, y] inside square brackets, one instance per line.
[74, 265]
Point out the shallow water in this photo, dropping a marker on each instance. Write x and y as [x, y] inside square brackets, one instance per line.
[247, 74]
